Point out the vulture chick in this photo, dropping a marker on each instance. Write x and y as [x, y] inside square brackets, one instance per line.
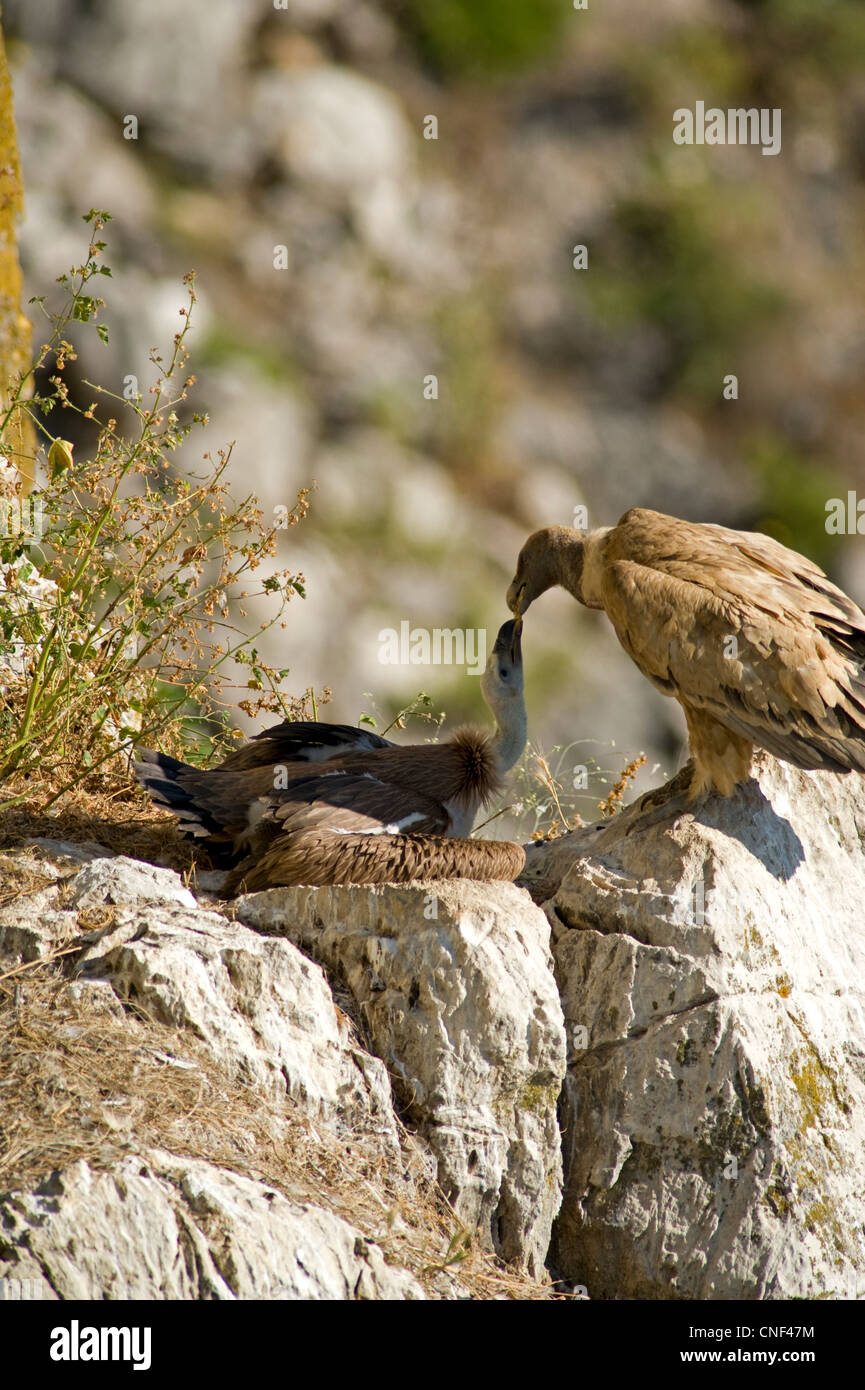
[327, 803]
[752, 639]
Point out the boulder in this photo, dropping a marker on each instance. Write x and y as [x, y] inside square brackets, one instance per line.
[454, 986]
[115, 880]
[709, 963]
[265, 1010]
[451, 983]
[105, 48]
[74, 879]
[36, 921]
[712, 968]
[158, 1226]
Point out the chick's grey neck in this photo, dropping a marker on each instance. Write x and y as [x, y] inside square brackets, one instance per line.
[509, 711]
[510, 736]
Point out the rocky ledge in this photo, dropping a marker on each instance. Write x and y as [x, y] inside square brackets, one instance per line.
[652, 1086]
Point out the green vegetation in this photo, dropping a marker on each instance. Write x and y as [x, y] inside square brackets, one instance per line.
[665, 261]
[420, 708]
[471, 392]
[221, 346]
[794, 494]
[483, 37]
[118, 618]
[699, 58]
[829, 35]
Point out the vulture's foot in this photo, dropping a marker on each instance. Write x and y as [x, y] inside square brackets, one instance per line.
[656, 805]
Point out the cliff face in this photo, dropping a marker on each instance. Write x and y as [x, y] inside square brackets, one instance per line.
[192, 1096]
[259, 1101]
[711, 970]
[219, 133]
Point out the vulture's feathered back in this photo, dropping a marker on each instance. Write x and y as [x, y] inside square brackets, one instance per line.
[752, 639]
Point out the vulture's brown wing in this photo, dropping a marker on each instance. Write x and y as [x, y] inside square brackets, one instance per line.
[303, 741]
[345, 827]
[385, 785]
[314, 857]
[351, 803]
[740, 627]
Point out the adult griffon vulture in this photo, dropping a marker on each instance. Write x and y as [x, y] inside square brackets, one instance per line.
[752, 639]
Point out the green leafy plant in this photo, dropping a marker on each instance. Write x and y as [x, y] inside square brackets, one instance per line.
[421, 707]
[125, 618]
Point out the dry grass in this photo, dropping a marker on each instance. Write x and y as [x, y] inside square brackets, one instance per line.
[109, 809]
[613, 800]
[132, 614]
[559, 822]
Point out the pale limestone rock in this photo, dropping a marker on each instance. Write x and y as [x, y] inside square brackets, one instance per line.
[64, 856]
[549, 861]
[158, 1226]
[265, 1011]
[22, 588]
[198, 65]
[126, 881]
[712, 968]
[85, 876]
[347, 142]
[455, 988]
[337, 131]
[38, 921]
[38, 930]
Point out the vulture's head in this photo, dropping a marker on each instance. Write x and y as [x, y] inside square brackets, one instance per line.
[502, 681]
[542, 562]
[502, 689]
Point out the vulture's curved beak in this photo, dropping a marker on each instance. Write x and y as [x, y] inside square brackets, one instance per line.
[515, 596]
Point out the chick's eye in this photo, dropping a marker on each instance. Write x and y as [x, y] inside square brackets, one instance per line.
[503, 673]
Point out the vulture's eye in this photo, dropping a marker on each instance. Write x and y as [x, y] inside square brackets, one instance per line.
[503, 673]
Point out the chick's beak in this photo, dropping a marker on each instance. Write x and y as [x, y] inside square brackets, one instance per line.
[508, 640]
[516, 650]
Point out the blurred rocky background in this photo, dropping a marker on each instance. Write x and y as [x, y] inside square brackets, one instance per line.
[302, 125]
